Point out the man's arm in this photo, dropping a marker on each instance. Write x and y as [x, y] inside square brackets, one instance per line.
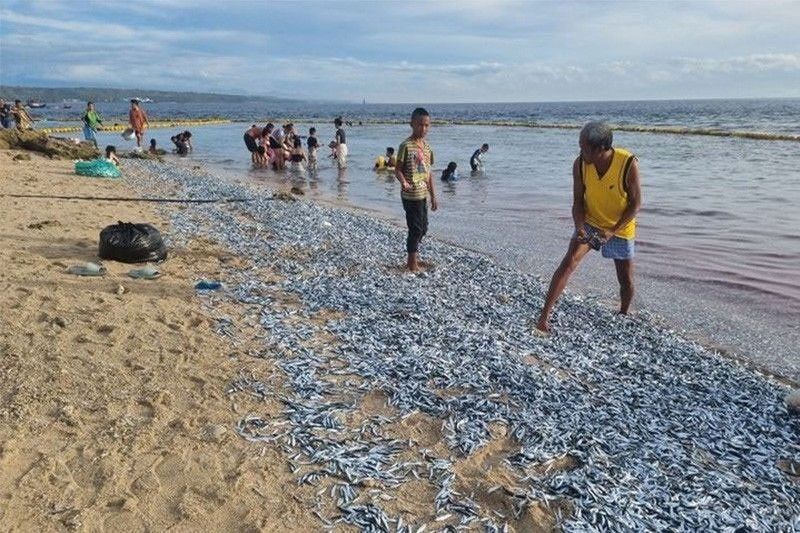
[578, 190]
[634, 190]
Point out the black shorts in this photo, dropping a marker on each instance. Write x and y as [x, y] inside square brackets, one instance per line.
[250, 143]
[417, 222]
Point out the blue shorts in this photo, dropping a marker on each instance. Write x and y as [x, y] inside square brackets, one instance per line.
[89, 134]
[615, 247]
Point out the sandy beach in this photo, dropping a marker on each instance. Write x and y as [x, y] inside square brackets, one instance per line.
[324, 388]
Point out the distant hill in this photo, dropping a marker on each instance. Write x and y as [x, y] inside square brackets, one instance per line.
[82, 94]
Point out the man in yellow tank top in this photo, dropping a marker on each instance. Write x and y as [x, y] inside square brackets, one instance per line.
[606, 197]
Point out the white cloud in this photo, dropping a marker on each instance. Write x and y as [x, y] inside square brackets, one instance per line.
[429, 51]
[741, 64]
[114, 31]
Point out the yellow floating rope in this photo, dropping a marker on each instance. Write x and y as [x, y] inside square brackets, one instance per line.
[154, 124]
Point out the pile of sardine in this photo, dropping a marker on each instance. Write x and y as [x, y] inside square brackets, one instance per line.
[666, 435]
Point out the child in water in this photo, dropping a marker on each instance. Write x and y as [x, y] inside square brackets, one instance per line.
[386, 161]
[450, 174]
[297, 155]
[111, 154]
[313, 145]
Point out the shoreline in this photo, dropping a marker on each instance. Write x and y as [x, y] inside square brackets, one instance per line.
[695, 335]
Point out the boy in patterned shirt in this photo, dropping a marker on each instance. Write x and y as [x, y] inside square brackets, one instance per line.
[413, 171]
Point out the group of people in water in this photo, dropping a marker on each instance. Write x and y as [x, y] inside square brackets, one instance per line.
[275, 146]
[388, 161]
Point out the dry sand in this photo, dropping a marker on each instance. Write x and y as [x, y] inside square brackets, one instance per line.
[113, 407]
[113, 411]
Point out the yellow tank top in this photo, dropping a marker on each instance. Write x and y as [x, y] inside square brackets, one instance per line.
[605, 198]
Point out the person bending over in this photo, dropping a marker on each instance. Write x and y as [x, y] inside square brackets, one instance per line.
[606, 195]
[111, 154]
[476, 161]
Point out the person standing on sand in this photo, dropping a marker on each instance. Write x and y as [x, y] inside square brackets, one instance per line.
[21, 116]
[413, 171]
[606, 195]
[138, 120]
[91, 120]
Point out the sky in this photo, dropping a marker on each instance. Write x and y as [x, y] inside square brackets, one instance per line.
[409, 51]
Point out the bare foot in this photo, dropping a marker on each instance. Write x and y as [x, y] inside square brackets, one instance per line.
[414, 264]
[542, 327]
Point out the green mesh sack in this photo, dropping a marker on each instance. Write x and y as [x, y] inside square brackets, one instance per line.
[97, 168]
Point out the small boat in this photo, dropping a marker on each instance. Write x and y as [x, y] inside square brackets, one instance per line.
[36, 105]
[67, 106]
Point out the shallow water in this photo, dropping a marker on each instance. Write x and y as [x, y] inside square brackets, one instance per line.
[776, 115]
[718, 247]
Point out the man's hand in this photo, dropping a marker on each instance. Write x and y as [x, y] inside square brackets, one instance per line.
[605, 235]
[406, 185]
[580, 233]
[434, 204]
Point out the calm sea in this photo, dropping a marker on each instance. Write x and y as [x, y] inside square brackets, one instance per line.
[719, 236]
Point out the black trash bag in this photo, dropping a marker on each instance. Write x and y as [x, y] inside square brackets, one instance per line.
[132, 243]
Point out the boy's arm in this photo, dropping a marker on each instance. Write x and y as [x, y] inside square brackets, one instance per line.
[398, 169]
[431, 190]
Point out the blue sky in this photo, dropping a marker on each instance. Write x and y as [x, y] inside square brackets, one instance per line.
[387, 51]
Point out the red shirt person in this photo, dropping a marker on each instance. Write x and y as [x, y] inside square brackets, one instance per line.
[138, 120]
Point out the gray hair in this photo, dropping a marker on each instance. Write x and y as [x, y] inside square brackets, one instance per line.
[597, 135]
